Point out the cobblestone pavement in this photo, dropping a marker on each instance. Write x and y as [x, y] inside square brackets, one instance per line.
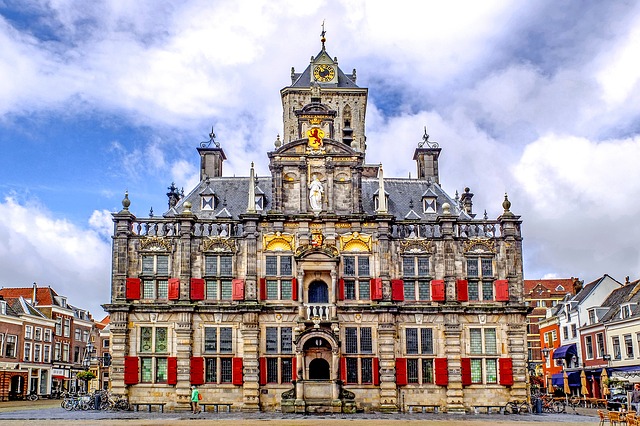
[49, 412]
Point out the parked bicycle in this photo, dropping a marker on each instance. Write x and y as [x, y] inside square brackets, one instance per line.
[517, 407]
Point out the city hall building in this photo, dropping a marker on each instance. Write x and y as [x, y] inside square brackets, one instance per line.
[323, 287]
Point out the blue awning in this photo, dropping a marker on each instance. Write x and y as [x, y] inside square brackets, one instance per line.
[565, 351]
[558, 379]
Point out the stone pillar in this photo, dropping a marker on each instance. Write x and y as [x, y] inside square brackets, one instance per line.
[119, 347]
[517, 342]
[453, 339]
[387, 356]
[184, 336]
[120, 254]
[250, 343]
[187, 220]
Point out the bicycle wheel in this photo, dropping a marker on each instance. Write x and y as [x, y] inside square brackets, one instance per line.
[524, 408]
[559, 407]
[511, 408]
[547, 407]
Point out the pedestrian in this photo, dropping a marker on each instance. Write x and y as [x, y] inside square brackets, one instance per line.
[195, 396]
[635, 397]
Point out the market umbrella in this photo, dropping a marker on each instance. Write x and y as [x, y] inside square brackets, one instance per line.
[604, 379]
[550, 386]
[583, 383]
[567, 389]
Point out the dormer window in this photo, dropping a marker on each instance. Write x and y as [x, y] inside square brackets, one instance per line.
[626, 310]
[592, 316]
[559, 288]
[376, 200]
[207, 199]
[429, 201]
[3, 307]
[259, 202]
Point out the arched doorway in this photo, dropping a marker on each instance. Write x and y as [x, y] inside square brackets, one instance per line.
[318, 292]
[319, 369]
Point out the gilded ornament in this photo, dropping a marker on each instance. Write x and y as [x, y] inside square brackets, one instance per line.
[155, 244]
[355, 242]
[277, 241]
[219, 244]
[479, 244]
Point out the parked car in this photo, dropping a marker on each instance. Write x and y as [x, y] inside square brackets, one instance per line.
[616, 402]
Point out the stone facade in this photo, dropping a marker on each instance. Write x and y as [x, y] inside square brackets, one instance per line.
[324, 287]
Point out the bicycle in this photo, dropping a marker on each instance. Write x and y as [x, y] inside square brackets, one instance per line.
[517, 407]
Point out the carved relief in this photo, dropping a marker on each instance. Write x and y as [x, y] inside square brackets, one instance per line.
[479, 245]
[355, 242]
[155, 244]
[277, 241]
[219, 244]
[415, 246]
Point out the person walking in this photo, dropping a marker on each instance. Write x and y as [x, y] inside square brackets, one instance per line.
[635, 397]
[195, 396]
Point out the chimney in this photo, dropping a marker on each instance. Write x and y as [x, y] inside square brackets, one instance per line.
[33, 298]
[426, 157]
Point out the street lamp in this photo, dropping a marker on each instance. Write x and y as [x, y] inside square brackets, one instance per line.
[545, 352]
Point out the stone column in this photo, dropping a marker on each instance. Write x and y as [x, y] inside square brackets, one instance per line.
[187, 220]
[119, 347]
[387, 356]
[452, 351]
[185, 337]
[250, 342]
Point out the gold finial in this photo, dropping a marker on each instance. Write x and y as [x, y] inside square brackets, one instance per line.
[322, 34]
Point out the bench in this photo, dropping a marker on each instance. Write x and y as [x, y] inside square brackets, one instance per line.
[160, 405]
[488, 408]
[216, 406]
[423, 408]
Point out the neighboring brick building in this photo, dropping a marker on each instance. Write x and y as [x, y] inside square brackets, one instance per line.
[324, 286]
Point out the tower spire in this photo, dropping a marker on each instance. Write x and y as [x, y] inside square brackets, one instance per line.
[322, 34]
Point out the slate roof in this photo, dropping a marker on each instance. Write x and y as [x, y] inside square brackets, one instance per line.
[20, 306]
[629, 293]
[232, 195]
[304, 79]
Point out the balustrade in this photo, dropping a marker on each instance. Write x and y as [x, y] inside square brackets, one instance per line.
[321, 311]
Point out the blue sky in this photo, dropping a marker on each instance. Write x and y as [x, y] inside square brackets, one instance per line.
[539, 99]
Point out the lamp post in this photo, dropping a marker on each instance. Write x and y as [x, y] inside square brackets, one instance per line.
[545, 356]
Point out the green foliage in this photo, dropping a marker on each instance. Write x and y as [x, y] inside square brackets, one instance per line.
[86, 375]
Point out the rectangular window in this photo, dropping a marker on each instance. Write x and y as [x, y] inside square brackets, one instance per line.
[37, 352]
[349, 265]
[476, 371]
[423, 266]
[226, 373]
[363, 266]
[408, 267]
[286, 345]
[487, 267]
[487, 290]
[349, 290]
[226, 339]
[588, 344]
[65, 352]
[58, 326]
[472, 267]
[212, 289]
[211, 339]
[153, 340]
[492, 370]
[352, 370]
[426, 341]
[565, 332]
[592, 316]
[366, 366]
[271, 265]
[272, 340]
[351, 340]
[46, 354]
[628, 344]
[473, 290]
[424, 290]
[57, 351]
[161, 370]
[616, 348]
[364, 290]
[286, 266]
[10, 346]
[409, 290]
[38, 333]
[27, 351]
[366, 345]
[412, 341]
[210, 370]
[226, 289]
[427, 370]
[574, 331]
[272, 289]
[272, 370]
[146, 370]
[28, 332]
[287, 371]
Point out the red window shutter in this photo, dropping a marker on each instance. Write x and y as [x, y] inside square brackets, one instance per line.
[294, 368]
[397, 290]
[172, 370]
[197, 289]
[133, 289]
[465, 370]
[437, 290]
[376, 371]
[343, 369]
[131, 370]
[294, 289]
[262, 362]
[236, 370]
[441, 368]
[505, 368]
[376, 288]
[237, 289]
[341, 289]
[263, 289]
[502, 290]
[462, 287]
[401, 371]
[174, 288]
[197, 370]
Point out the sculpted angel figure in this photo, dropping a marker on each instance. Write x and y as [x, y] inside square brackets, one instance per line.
[315, 193]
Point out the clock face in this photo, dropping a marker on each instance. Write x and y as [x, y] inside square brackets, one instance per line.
[324, 73]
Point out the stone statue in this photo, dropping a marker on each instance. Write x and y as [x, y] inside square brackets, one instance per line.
[315, 194]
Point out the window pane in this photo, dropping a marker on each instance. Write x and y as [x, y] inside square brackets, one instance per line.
[271, 339]
[349, 263]
[212, 289]
[366, 345]
[351, 340]
[492, 375]
[210, 339]
[225, 370]
[146, 369]
[490, 344]
[408, 266]
[409, 290]
[472, 267]
[412, 340]
[423, 266]
[272, 370]
[161, 339]
[412, 370]
[226, 266]
[364, 290]
[285, 340]
[226, 290]
[163, 289]
[148, 289]
[162, 267]
[427, 371]
[487, 290]
[161, 370]
[285, 266]
[367, 370]
[145, 339]
[476, 371]
[424, 290]
[426, 337]
[271, 265]
[272, 289]
[473, 290]
[487, 267]
[286, 370]
[349, 289]
[352, 370]
[363, 266]
[476, 340]
[147, 265]
[211, 374]
[211, 265]
[226, 342]
[285, 289]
